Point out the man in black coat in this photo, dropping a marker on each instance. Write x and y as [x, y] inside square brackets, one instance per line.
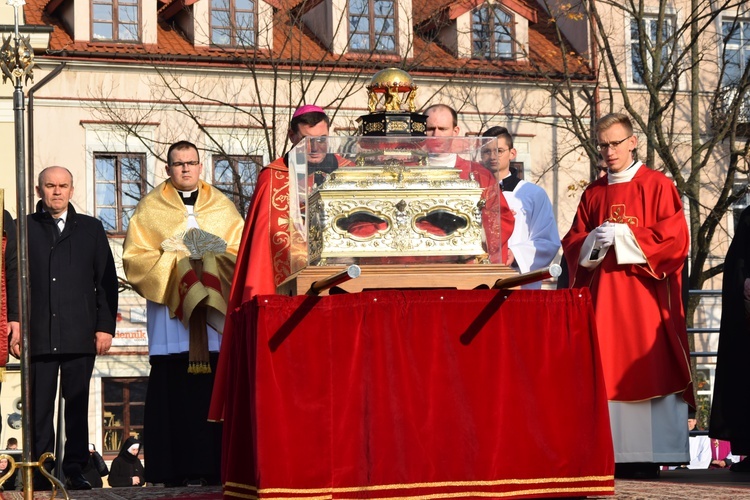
[73, 291]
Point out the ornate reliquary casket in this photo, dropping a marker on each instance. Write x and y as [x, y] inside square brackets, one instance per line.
[389, 200]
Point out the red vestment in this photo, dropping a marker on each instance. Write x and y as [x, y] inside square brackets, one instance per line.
[270, 244]
[494, 203]
[639, 312]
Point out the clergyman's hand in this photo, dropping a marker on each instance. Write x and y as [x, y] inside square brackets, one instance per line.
[103, 342]
[14, 339]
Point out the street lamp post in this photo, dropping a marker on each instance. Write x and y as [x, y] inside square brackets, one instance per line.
[17, 63]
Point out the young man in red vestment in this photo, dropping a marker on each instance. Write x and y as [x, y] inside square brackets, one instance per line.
[628, 243]
[442, 121]
[270, 242]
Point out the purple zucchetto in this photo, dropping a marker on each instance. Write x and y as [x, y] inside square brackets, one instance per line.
[307, 108]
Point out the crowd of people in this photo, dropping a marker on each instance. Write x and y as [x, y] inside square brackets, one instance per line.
[190, 255]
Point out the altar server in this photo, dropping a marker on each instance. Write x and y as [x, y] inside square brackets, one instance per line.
[628, 243]
[535, 240]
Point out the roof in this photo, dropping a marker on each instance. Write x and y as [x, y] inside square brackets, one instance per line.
[295, 45]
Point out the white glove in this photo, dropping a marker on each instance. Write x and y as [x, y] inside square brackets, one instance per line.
[605, 235]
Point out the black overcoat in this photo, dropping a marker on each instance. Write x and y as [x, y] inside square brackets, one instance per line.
[730, 408]
[72, 284]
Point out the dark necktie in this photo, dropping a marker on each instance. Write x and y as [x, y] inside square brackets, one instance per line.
[57, 226]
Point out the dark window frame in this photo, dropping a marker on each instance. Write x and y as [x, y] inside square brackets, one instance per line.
[240, 200]
[373, 35]
[518, 165]
[491, 40]
[125, 428]
[233, 27]
[118, 182]
[115, 20]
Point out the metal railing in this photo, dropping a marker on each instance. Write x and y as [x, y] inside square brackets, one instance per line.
[704, 354]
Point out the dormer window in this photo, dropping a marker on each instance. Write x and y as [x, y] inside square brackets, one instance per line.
[372, 25]
[491, 32]
[115, 21]
[233, 22]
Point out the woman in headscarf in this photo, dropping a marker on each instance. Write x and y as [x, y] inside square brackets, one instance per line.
[127, 469]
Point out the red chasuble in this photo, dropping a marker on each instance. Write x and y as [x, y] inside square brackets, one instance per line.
[639, 311]
[269, 246]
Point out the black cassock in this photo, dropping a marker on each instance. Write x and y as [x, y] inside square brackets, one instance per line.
[730, 410]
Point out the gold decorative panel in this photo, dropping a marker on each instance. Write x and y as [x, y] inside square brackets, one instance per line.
[394, 211]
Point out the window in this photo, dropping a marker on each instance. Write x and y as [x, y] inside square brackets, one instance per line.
[120, 183]
[233, 23]
[491, 33]
[649, 27]
[741, 189]
[236, 176]
[736, 58]
[115, 20]
[518, 165]
[124, 400]
[372, 25]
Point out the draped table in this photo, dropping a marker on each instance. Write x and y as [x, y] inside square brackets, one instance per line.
[417, 394]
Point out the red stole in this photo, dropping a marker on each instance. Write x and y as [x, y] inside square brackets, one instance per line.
[4, 312]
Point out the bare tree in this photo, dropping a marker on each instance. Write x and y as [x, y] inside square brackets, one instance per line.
[690, 109]
[681, 70]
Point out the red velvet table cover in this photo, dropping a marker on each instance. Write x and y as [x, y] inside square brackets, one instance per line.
[417, 394]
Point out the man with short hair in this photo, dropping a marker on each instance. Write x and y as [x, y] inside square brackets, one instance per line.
[270, 240]
[628, 244]
[442, 121]
[535, 240]
[73, 286]
[179, 254]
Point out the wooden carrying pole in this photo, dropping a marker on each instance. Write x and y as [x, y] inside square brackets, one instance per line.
[552, 271]
[319, 286]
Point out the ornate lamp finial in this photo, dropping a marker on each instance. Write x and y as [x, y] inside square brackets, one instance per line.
[17, 61]
[388, 88]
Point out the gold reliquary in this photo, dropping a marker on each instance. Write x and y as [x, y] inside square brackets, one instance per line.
[393, 200]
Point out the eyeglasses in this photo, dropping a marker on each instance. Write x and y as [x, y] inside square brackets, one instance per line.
[500, 151]
[179, 164]
[603, 146]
